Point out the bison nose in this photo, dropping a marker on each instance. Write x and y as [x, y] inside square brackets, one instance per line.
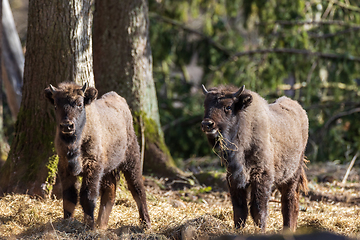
[207, 125]
[67, 126]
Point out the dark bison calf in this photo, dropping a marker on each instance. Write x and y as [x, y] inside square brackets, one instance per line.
[95, 139]
[262, 145]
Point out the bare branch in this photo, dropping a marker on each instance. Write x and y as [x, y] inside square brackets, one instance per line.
[331, 56]
[183, 120]
[334, 34]
[296, 51]
[310, 22]
[340, 115]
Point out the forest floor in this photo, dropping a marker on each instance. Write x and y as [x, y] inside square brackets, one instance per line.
[192, 210]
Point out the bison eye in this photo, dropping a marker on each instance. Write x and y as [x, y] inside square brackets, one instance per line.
[79, 105]
[227, 108]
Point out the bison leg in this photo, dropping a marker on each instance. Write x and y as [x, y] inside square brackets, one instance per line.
[260, 195]
[133, 176]
[239, 202]
[89, 193]
[108, 194]
[137, 189]
[69, 191]
[136, 186]
[290, 203]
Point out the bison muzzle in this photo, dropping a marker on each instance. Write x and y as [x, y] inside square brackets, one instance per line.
[95, 139]
[262, 145]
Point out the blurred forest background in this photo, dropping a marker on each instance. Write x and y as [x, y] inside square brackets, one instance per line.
[307, 50]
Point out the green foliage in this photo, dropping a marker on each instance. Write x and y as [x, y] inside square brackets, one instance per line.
[324, 70]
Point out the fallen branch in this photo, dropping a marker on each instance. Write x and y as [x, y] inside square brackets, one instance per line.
[349, 168]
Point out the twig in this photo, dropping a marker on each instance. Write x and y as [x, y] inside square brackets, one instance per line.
[142, 153]
[54, 229]
[349, 168]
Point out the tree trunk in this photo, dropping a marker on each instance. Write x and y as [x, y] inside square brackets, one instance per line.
[58, 49]
[123, 63]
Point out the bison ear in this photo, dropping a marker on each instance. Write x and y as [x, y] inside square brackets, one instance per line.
[90, 95]
[48, 92]
[243, 101]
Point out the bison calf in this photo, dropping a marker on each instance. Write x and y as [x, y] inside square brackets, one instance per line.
[95, 139]
[262, 145]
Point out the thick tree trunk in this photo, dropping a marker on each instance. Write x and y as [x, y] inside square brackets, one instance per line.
[58, 49]
[123, 63]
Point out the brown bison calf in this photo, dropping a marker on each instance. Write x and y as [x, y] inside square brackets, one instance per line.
[95, 139]
[262, 145]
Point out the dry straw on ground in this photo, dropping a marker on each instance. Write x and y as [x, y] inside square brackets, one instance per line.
[183, 214]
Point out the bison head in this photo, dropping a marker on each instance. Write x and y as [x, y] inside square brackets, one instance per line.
[222, 107]
[69, 101]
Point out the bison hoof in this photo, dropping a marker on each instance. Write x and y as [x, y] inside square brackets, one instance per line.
[89, 221]
[145, 225]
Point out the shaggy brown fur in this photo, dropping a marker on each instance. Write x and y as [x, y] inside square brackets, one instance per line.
[263, 145]
[95, 139]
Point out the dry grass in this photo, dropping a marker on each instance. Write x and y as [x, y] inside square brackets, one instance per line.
[195, 213]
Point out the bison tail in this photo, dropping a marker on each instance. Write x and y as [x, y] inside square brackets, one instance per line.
[303, 182]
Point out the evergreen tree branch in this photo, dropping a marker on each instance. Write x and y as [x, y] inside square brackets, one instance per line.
[180, 25]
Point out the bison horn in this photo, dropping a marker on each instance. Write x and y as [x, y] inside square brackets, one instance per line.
[84, 87]
[52, 88]
[239, 92]
[204, 89]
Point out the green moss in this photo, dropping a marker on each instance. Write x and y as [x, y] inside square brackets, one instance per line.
[153, 135]
[152, 132]
[52, 167]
